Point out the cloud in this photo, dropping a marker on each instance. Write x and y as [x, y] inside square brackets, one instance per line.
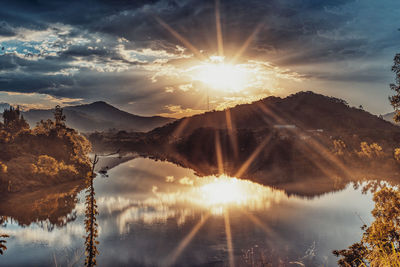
[117, 51]
[176, 111]
[36, 101]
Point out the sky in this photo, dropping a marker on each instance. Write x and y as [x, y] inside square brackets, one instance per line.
[158, 56]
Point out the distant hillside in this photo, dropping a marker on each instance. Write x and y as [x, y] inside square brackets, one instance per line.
[99, 116]
[305, 110]
[389, 117]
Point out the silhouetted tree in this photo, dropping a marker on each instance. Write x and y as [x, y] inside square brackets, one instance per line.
[395, 99]
[13, 121]
[90, 220]
[59, 117]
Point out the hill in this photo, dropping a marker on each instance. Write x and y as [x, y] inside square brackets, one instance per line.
[304, 110]
[99, 116]
[272, 140]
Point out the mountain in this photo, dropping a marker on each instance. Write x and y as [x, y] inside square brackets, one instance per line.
[98, 116]
[275, 139]
[4, 106]
[304, 110]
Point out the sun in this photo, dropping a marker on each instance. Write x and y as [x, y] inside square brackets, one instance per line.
[223, 191]
[221, 76]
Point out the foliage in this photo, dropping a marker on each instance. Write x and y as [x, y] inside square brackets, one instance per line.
[380, 244]
[13, 121]
[339, 147]
[397, 154]
[3, 242]
[395, 99]
[50, 153]
[90, 219]
[59, 117]
[50, 166]
[371, 151]
[3, 167]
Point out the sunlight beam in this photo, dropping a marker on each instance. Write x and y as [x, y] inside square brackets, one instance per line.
[312, 144]
[219, 30]
[180, 38]
[253, 156]
[265, 228]
[228, 234]
[179, 129]
[218, 151]
[232, 133]
[247, 43]
[185, 242]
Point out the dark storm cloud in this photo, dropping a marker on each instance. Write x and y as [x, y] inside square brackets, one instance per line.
[327, 51]
[101, 54]
[6, 30]
[285, 20]
[33, 13]
[12, 62]
[26, 83]
[292, 34]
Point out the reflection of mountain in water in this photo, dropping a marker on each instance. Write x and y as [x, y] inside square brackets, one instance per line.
[53, 204]
[285, 142]
[147, 204]
[293, 178]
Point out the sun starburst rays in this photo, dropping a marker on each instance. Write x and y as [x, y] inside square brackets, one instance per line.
[228, 235]
[185, 242]
[218, 28]
[224, 74]
[228, 77]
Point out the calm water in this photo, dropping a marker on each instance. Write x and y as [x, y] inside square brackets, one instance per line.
[155, 213]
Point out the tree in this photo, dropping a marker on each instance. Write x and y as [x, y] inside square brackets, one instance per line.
[59, 117]
[3, 242]
[90, 219]
[395, 99]
[51, 153]
[13, 121]
[380, 243]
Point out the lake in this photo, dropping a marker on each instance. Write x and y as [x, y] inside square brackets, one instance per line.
[154, 213]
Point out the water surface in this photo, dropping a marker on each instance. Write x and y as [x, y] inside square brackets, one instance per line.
[156, 213]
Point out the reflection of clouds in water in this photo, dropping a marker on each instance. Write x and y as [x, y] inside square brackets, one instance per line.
[184, 197]
[186, 181]
[59, 237]
[169, 179]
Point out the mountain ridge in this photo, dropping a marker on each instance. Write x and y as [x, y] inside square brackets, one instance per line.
[306, 110]
[273, 140]
[98, 116]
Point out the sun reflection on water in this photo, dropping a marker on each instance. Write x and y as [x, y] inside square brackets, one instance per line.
[218, 193]
[183, 198]
[225, 190]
